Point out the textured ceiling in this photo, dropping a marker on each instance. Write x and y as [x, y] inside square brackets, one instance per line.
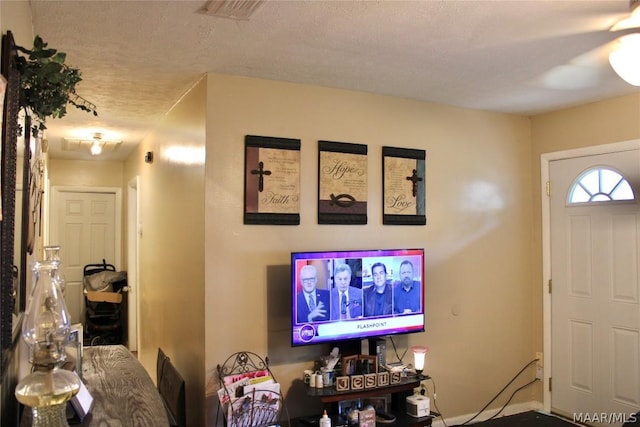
[139, 57]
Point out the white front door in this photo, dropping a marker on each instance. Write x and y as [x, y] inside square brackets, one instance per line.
[84, 223]
[595, 299]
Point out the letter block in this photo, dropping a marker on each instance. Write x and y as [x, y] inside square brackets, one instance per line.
[357, 382]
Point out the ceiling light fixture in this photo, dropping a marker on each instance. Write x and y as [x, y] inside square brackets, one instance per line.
[625, 58]
[96, 149]
[633, 21]
[96, 146]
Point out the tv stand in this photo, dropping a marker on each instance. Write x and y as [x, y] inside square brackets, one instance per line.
[330, 397]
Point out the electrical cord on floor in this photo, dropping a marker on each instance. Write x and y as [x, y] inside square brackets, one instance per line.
[435, 405]
[500, 392]
[395, 350]
[511, 397]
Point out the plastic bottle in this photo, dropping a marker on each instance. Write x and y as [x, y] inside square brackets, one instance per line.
[325, 421]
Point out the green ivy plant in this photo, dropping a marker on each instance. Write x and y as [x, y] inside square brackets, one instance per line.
[48, 84]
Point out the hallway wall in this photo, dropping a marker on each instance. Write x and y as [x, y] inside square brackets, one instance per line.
[171, 244]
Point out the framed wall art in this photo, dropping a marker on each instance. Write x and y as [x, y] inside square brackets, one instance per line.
[271, 180]
[342, 183]
[403, 186]
[12, 300]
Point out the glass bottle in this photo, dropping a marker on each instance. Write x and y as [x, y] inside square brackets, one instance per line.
[45, 330]
[52, 253]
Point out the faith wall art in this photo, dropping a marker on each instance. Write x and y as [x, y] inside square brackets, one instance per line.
[271, 180]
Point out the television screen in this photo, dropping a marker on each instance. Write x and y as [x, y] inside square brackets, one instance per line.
[348, 295]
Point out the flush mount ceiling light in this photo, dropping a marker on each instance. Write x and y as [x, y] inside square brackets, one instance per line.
[96, 146]
[625, 58]
[625, 55]
[233, 9]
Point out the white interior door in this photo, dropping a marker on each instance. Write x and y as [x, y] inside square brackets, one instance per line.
[85, 224]
[133, 227]
[595, 300]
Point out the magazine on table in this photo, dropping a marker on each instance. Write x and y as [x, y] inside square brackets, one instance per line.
[232, 391]
[251, 375]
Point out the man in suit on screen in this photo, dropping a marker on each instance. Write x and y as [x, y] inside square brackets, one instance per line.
[312, 304]
[378, 299]
[346, 300]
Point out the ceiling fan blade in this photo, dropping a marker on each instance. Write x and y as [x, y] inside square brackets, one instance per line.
[632, 21]
[583, 71]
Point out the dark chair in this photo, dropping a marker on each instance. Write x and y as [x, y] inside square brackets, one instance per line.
[633, 420]
[171, 386]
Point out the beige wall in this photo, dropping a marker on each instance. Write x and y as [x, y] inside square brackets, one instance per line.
[597, 123]
[85, 173]
[477, 238]
[15, 16]
[171, 251]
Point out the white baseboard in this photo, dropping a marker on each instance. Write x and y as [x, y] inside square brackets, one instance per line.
[509, 410]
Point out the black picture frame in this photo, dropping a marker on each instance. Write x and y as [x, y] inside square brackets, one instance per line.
[10, 131]
[271, 180]
[403, 186]
[342, 183]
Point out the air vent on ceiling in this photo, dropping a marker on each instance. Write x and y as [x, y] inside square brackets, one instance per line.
[86, 144]
[234, 9]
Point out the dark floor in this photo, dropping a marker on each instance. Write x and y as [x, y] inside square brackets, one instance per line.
[527, 419]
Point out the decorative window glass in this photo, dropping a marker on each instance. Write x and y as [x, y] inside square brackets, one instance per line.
[600, 185]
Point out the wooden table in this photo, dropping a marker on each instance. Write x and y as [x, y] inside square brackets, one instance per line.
[123, 392]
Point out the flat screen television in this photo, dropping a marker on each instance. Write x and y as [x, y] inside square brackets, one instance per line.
[384, 294]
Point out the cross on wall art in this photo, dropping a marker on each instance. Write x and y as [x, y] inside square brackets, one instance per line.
[271, 180]
[261, 173]
[403, 186]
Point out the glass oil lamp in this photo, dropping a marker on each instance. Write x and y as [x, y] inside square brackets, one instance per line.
[45, 330]
[52, 253]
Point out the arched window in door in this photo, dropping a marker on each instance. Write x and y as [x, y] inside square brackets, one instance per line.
[600, 184]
